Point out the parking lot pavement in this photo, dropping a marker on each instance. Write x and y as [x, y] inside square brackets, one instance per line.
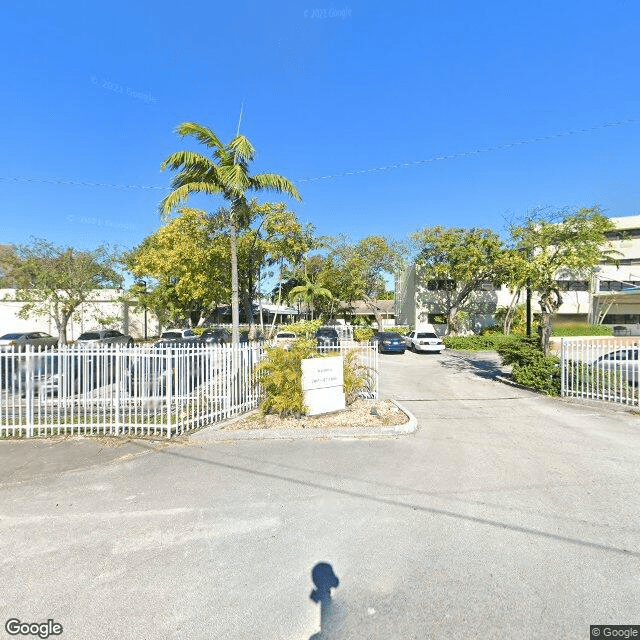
[27, 460]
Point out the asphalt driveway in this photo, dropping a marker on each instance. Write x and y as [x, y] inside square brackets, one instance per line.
[506, 515]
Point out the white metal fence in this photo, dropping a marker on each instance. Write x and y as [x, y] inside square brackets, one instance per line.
[141, 391]
[600, 369]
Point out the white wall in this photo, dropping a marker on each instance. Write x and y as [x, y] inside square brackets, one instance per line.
[103, 302]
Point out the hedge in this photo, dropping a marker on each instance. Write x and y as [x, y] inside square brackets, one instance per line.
[487, 342]
[582, 329]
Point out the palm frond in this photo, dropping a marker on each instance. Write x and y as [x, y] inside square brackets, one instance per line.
[201, 133]
[186, 159]
[181, 194]
[234, 178]
[274, 182]
[242, 148]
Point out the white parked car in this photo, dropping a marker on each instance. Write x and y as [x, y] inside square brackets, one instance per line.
[284, 339]
[424, 341]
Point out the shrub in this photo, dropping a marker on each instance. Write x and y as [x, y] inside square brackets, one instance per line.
[356, 377]
[363, 334]
[280, 374]
[582, 329]
[530, 367]
[485, 342]
[401, 330]
[303, 328]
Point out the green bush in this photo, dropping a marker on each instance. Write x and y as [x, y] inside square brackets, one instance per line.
[485, 342]
[280, 375]
[363, 334]
[401, 330]
[582, 329]
[303, 328]
[530, 367]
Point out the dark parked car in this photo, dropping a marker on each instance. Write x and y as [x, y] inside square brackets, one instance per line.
[244, 337]
[327, 337]
[216, 336]
[19, 341]
[107, 337]
[389, 342]
[179, 335]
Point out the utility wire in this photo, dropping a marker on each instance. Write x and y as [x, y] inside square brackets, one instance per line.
[344, 174]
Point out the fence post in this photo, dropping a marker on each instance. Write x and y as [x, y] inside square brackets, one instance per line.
[168, 354]
[119, 352]
[563, 368]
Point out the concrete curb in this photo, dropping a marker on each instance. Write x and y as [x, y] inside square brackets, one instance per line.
[216, 433]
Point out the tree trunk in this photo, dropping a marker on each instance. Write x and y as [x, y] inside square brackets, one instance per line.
[510, 314]
[550, 301]
[235, 302]
[452, 319]
[248, 312]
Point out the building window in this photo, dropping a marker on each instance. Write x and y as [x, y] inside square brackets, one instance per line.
[573, 285]
[441, 285]
[621, 318]
[615, 285]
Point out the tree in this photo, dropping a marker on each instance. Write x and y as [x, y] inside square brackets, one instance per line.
[225, 173]
[54, 281]
[454, 263]
[188, 264]
[364, 266]
[7, 257]
[309, 291]
[543, 250]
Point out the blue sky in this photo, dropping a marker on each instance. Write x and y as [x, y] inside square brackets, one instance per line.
[93, 91]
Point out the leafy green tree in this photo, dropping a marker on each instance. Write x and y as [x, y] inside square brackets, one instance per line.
[362, 268]
[543, 250]
[7, 258]
[53, 281]
[454, 263]
[189, 267]
[225, 173]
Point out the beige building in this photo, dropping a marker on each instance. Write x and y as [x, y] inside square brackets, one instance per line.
[104, 309]
[610, 296]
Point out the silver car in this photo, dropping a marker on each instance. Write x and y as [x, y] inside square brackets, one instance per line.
[107, 337]
[19, 341]
[622, 363]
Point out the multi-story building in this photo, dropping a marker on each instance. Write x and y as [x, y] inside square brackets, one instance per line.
[610, 296]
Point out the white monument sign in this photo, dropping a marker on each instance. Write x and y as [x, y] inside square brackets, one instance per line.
[322, 384]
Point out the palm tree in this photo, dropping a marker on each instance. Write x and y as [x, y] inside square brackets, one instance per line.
[307, 292]
[225, 173]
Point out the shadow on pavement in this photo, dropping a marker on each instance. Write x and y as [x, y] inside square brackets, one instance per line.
[324, 580]
[480, 365]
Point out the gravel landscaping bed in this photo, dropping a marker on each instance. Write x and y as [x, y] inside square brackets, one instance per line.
[362, 413]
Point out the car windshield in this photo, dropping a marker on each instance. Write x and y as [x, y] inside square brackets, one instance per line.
[426, 335]
[286, 335]
[12, 336]
[171, 334]
[89, 336]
